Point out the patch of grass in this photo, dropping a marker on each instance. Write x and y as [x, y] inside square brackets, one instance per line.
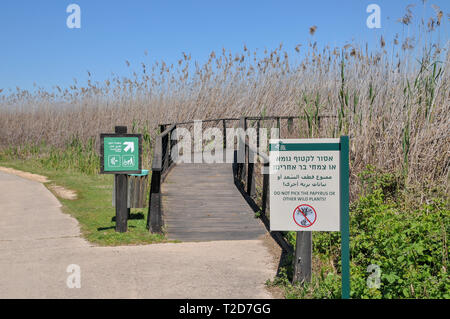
[93, 209]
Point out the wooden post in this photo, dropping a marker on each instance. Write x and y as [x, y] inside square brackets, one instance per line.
[303, 253]
[258, 126]
[266, 189]
[121, 186]
[241, 151]
[166, 151]
[120, 130]
[303, 257]
[121, 202]
[250, 175]
[224, 124]
[154, 221]
[173, 145]
[244, 168]
[290, 124]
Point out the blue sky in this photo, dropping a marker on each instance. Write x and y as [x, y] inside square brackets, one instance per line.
[37, 47]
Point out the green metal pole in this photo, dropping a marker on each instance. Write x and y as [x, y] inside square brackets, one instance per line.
[345, 227]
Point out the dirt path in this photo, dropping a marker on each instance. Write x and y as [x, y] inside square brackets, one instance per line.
[58, 190]
[38, 242]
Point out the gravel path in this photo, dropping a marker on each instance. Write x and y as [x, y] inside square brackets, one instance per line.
[38, 242]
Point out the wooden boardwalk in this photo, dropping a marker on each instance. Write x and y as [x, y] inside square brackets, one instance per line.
[200, 202]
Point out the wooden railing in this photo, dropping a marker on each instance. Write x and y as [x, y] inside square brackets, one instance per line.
[248, 178]
[161, 164]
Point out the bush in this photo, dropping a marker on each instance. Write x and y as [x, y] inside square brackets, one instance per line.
[409, 245]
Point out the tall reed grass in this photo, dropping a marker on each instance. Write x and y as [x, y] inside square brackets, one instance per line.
[393, 101]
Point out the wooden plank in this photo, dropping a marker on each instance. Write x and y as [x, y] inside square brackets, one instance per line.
[217, 229]
[209, 236]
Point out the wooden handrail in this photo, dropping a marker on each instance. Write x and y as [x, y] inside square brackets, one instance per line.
[207, 120]
[252, 118]
[284, 117]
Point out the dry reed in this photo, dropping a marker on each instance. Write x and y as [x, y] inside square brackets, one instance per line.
[395, 109]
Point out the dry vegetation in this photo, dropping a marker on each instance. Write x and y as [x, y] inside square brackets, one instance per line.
[392, 101]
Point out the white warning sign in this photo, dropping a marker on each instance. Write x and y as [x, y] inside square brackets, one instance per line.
[304, 185]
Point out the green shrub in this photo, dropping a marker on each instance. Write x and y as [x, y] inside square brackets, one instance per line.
[409, 245]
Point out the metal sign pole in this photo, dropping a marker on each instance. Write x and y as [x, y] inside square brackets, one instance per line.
[345, 227]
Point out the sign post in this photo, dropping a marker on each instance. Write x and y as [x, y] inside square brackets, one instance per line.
[309, 191]
[345, 216]
[121, 154]
[303, 257]
[121, 187]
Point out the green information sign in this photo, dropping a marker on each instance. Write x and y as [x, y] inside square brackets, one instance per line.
[120, 153]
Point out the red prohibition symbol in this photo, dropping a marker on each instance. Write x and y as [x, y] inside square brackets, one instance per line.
[305, 215]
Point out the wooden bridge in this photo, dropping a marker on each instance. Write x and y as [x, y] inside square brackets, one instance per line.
[201, 202]
[218, 201]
